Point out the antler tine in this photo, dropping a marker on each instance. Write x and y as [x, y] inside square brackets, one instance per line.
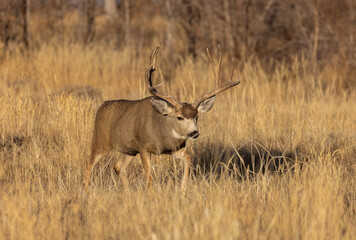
[219, 65]
[152, 68]
[149, 77]
[232, 69]
[211, 61]
[219, 87]
[216, 69]
[153, 55]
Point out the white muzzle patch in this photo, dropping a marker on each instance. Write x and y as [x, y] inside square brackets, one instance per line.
[177, 135]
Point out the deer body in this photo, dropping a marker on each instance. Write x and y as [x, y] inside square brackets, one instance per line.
[154, 125]
[131, 126]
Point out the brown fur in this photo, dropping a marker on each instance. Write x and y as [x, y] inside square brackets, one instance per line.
[188, 111]
[133, 127]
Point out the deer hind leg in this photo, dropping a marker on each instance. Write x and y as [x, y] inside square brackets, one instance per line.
[93, 160]
[146, 163]
[120, 168]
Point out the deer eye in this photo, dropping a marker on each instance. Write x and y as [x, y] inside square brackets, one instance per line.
[180, 118]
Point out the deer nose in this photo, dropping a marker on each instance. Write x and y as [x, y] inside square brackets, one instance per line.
[194, 135]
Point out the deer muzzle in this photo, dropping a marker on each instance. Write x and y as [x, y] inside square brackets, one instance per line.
[193, 135]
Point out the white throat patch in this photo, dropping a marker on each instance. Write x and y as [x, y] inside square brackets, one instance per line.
[177, 135]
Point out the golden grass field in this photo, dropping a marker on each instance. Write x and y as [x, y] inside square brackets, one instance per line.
[300, 132]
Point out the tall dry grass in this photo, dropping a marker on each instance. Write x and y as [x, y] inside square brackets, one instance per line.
[275, 160]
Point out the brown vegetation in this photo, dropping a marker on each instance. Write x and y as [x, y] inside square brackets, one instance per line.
[276, 156]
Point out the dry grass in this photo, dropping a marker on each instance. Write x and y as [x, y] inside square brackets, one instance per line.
[300, 135]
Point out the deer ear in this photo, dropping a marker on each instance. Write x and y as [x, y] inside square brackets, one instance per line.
[161, 106]
[206, 105]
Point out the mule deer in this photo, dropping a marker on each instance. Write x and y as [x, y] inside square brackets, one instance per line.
[158, 124]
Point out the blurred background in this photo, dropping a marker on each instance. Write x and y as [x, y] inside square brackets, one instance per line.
[270, 33]
[276, 156]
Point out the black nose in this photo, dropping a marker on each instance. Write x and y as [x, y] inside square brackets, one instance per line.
[194, 134]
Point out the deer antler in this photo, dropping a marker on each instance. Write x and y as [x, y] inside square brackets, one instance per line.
[149, 77]
[219, 86]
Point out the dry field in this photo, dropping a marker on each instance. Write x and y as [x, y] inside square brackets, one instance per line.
[276, 158]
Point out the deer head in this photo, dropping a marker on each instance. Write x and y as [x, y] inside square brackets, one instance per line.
[185, 115]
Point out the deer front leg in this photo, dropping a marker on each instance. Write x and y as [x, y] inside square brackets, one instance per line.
[187, 161]
[146, 163]
[185, 156]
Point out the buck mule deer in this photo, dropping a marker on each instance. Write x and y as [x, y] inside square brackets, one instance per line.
[158, 124]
